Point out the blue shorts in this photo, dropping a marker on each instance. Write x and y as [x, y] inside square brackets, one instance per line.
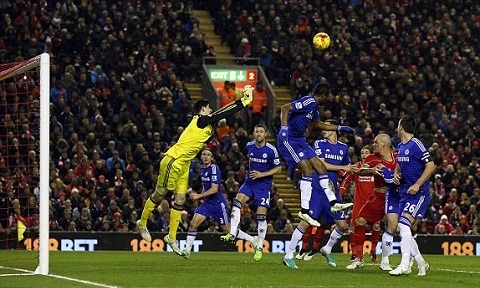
[262, 196]
[320, 208]
[217, 210]
[294, 150]
[392, 200]
[414, 205]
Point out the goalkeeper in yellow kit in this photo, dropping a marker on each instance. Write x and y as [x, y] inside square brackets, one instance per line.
[174, 167]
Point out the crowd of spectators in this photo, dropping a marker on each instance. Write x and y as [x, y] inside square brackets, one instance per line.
[118, 97]
[389, 58]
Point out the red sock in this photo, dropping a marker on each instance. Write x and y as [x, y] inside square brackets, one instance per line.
[359, 240]
[353, 247]
[318, 238]
[306, 238]
[375, 237]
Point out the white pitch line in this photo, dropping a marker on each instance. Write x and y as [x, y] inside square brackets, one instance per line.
[16, 274]
[30, 273]
[82, 281]
[440, 269]
[458, 271]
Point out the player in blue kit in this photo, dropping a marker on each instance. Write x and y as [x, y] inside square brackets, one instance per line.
[295, 118]
[334, 154]
[414, 169]
[214, 205]
[264, 163]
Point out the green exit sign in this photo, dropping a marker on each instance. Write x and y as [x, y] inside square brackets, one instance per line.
[228, 75]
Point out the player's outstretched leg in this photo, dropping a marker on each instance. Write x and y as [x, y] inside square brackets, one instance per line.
[228, 238]
[330, 260]
[173, 244]
[290, 263]
[337, 207]
[144, 232]
[307, 218]
[355, 264]
[310, 255]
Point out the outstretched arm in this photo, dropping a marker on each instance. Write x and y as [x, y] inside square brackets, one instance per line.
[331, 127]
[326, 126]
[286, 108]
[345, 183]
[228, 110]
[224, 112]
[346, 168]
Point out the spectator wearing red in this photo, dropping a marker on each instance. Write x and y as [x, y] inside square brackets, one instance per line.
[82, 168]
[452, 157]
[464, 224]
[457, 230]
[73, 184]
[244, 50]
[444, 222]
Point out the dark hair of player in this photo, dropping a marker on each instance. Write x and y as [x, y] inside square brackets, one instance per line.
[261, 126]
[408, 123]
[197, 107]
[322, 89]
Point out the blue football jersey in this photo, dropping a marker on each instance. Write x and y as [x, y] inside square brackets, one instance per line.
[412, 158]
[262, 159]
[335, 154]
[304, 111]
[212, 175]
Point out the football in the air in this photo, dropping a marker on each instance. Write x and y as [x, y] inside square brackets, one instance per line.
[321, 41]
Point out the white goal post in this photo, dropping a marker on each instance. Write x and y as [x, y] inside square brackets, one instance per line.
[42, 60]
[44, 245]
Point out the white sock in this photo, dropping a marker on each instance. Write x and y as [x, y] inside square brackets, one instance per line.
[244, 236]
[405, 243]
[327, 186]
[235, 217]
[192, 234]
[262, 229]
[387, 240]
[305, 192]
[334, 237]
[296, 237]
[416, 253]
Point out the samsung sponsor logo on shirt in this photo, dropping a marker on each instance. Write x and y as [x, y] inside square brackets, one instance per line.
[258, 160]
[403, 159]
[333, 156]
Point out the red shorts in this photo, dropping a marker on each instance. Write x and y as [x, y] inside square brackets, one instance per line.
[356, 212]
[374, 210]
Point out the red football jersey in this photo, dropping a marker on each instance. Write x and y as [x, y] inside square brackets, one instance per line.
[363, 185]
[374, 160]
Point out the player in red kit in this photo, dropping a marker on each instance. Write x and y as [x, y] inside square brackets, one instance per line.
[374, 209]
[363, 187]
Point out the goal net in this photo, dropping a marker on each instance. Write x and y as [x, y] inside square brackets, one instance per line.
[24, 165]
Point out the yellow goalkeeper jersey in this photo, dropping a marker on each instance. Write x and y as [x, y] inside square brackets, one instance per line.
[191, 141]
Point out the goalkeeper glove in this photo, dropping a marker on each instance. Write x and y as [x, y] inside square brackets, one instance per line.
[247, 95]
[283, 133]
[345, 129]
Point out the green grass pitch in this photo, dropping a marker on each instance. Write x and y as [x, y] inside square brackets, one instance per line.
[226, 269]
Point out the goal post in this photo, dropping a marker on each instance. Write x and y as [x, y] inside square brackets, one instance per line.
[24, 163]
[44, 247]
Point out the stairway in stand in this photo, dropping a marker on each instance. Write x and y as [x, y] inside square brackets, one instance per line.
[283, 95]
